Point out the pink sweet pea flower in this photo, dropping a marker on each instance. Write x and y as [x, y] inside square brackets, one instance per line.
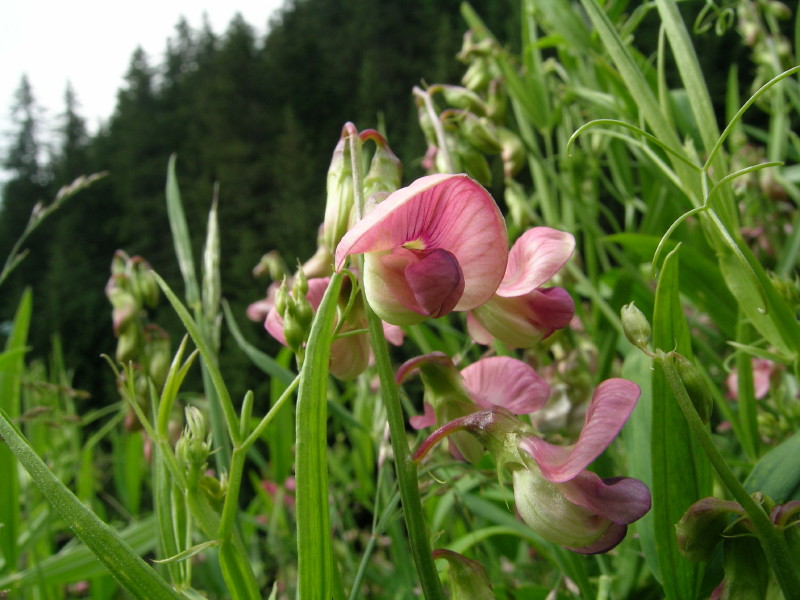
[489, 382]
[554, 493]
[521, 312]
[435, 246]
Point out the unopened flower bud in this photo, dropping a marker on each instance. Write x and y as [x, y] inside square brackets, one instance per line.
[480, 132]
[271, 264]
[635, 325]
[157, 349]
[293, 330]
[385, 171]
[474, 163]
[700, 528]
[299, 284]
[512, 151]
[282, 298]
[339, 189]
[696, 386]
[143, 282]
[468, 578]
[194, 446]
[461, 97]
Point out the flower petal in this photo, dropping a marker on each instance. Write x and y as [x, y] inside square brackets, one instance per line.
[436, 280]
[505, 381]
[620, 499]
[451, 212]
[536, 256]
[611, 405]
[523, 321]
[426, 419]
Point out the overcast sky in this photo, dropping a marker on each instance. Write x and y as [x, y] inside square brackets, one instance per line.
[89, 43]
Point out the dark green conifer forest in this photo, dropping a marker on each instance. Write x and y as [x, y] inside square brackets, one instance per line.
[256, 116]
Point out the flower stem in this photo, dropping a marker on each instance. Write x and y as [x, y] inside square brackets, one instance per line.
[405, 468]
[772, 540]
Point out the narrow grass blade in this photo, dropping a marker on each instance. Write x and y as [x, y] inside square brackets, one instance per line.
[124, 563]
[10, 373]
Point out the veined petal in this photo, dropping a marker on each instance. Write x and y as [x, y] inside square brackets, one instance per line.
[536, 256]
[507, 382]
[611, 405]
[449, 212]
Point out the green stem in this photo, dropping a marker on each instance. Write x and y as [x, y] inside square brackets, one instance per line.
[772, 540]
[406, 469]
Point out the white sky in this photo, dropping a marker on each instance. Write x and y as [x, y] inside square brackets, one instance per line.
[89, 43]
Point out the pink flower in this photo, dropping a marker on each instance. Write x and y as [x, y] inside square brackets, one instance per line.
[554, 493]
[762, 374]
[521, 312]
[435, 246]
[489, 382]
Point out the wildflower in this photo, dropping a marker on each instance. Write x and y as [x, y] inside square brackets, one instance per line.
[435, 246]
[450, 394]
[521, 313]
[554, 493]
[762, 375]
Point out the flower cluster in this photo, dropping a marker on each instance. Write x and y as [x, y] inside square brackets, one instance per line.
[434, 247]
[555, 494]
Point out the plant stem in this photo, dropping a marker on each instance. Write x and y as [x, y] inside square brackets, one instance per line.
[405, 468]
[772, 540]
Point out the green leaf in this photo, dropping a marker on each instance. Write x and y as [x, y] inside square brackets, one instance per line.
[314, 552]
[777, 473]
[180, 236]
[124, 563]
[75, 562]
[11, 370]
[680, 470]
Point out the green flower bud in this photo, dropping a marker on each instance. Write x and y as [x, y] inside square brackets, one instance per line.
[293, 329]
[702, 525]
[385, 171]
[468, 578]
[512, 151]
[635, 325]
[194, 446]
[340, 199]
[282, 299]
[157, 349]
[461, 97]
[696, 386]
[480, 132]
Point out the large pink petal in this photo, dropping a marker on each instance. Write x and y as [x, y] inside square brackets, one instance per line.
[536, 256]
[451, 212]
[507, 382]
[611, 405]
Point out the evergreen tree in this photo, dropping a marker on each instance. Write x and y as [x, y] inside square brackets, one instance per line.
[26, 187]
